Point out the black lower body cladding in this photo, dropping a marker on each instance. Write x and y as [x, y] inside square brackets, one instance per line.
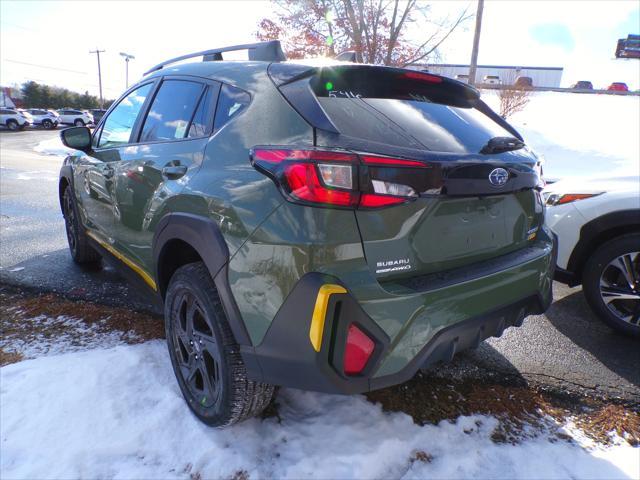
[287, 358]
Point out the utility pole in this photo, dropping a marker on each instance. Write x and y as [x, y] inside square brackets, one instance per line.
[127, 57]
[476, 42]
[98, 52]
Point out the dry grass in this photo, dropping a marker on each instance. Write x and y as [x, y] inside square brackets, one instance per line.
[521, 411]
[7, 358]
[27, 320]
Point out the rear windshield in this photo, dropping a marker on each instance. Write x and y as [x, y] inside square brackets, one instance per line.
[412, 123]
[405, 108]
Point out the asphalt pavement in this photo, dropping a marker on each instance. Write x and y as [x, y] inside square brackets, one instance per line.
[566, 350]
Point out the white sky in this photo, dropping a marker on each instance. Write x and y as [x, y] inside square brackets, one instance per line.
[577, 35]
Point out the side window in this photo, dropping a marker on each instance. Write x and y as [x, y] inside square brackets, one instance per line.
[171, 111]
[202, 119]
[118, 126]
[231, 102]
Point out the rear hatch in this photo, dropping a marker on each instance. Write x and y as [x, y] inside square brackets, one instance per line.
[470, 185]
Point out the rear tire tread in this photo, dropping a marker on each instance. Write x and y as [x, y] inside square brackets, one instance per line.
[248, 398]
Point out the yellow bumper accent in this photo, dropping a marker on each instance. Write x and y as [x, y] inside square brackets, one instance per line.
[129, 263]
[320, 313]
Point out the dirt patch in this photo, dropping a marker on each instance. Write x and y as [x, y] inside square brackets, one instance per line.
[34, 325]
[7, 358]
[522, 411]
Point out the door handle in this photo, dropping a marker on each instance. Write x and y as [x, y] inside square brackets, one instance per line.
[173, 172]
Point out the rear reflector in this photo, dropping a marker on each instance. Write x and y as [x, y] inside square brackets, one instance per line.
[357, 351]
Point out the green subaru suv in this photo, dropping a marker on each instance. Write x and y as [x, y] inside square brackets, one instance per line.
[331, 228]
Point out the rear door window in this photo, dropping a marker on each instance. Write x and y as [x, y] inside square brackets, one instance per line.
[203, 118]
[171, 111]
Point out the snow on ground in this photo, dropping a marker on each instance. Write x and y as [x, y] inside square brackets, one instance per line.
[70, 335]
[118, 413]
[580, 135]
[53, 146]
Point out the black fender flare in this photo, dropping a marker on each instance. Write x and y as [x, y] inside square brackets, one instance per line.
[205, 237]
[598, 231]
[66, 173]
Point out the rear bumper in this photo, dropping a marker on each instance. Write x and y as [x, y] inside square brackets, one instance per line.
[429, 333]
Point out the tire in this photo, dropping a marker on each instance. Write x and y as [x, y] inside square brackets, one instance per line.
[205, 356]
[48, 124]
[611, 283]
[12, 125]
[81, 251]
[78, 122]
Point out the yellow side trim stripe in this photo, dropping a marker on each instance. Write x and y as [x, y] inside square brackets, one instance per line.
[320, 313]
[129, 263]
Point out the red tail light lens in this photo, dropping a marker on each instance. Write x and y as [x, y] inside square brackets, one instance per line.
[357, 351]
[333, 178]
[304, 184]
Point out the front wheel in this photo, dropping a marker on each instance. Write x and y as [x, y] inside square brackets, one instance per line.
[611, 283]
[48, 124]
[78, 123]
[12, 125]
[204, 354]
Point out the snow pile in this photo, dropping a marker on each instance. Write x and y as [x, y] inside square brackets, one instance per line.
[118, 413]
[53, 146]
[581, 135]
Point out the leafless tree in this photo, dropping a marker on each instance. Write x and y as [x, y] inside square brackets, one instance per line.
[513, 98]
[388, 32]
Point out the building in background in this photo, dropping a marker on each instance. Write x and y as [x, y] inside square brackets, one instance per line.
[549, 77]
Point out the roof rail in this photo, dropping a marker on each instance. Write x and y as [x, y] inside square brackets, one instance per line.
[270, 51]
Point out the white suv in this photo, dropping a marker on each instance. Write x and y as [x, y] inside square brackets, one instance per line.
[45, 118]
[79, 118]
[13, 119]
[597, 222]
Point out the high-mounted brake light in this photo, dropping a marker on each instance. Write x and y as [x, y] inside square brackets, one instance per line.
[335, 178]
[424, 77]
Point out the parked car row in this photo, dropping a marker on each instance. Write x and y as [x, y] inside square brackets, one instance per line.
[587, 85]
[19, 118]
[521, 81]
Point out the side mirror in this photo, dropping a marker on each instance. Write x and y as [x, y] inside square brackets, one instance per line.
[78, 138]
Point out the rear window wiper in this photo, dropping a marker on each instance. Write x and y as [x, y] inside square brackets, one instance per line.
[502, 144]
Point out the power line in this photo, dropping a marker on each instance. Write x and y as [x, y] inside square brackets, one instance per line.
[45, 66]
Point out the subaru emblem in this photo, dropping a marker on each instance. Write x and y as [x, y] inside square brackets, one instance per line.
[498, 177]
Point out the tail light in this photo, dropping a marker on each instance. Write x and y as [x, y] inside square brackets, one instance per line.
[358, 350]
[337, 178]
